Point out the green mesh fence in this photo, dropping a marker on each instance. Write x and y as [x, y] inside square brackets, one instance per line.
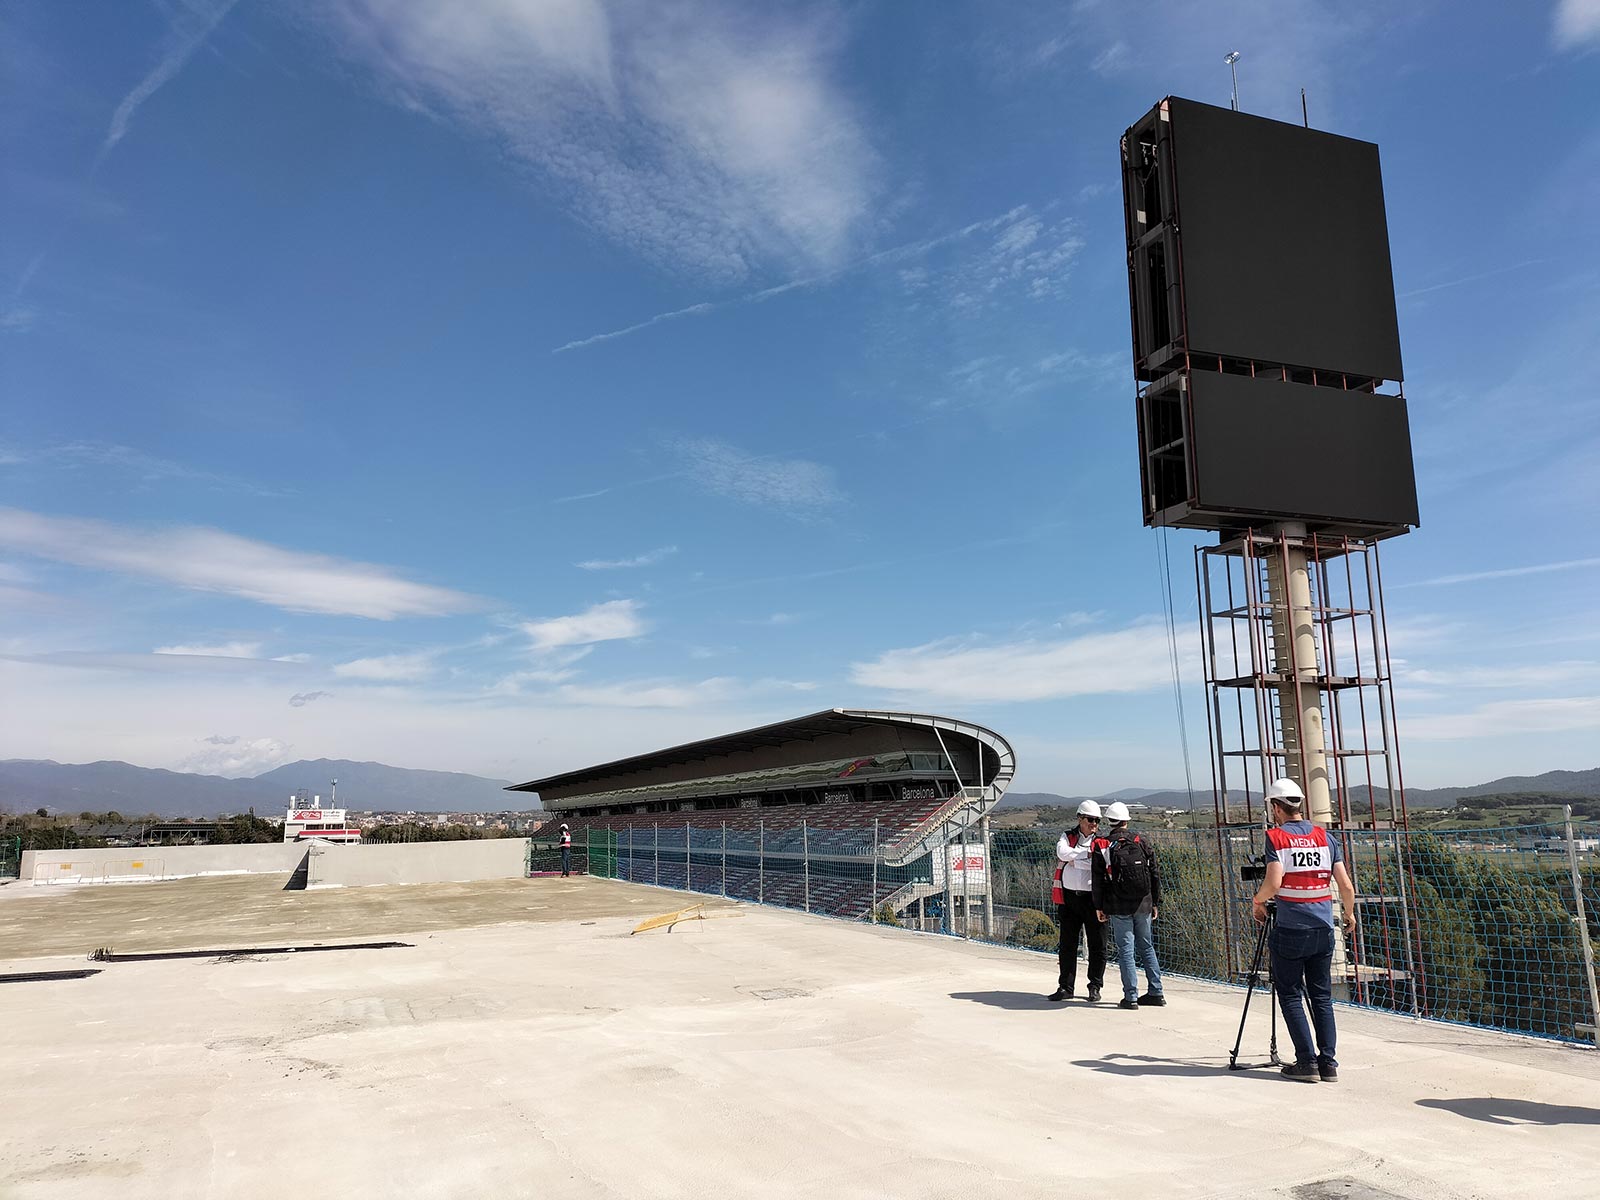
[1488, 934]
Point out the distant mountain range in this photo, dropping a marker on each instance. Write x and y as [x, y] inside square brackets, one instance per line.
[28, 784]
[1565, 783]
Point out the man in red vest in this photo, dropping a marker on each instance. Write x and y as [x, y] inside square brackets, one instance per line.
[1303, 864]
[566, 850]
[1074, 899]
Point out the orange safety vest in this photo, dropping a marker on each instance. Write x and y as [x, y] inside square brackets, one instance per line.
[1307, 865]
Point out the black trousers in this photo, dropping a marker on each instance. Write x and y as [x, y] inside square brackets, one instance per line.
[1077, 916]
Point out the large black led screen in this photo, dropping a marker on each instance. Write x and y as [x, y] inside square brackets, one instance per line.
[1285, 245]
[1294, 451]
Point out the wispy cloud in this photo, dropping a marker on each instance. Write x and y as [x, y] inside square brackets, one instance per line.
[1571, 564]
[1129, 660]
[1465, 279]
[210, 560]
[648, 559]
[301, 699]
[196, 20]
[1003, 245]
[615, 620]
[1577, 23]
[223, 650]
[704, 136]
[1504, 718]
[146, 467]
[236, 756]
[648, 693]
[795, 486]
[388, 668]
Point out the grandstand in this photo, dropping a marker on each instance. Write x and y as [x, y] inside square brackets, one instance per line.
[841, 812]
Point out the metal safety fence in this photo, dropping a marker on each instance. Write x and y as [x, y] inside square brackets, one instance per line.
[1486, 927]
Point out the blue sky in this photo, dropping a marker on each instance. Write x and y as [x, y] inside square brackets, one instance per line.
[501, 386]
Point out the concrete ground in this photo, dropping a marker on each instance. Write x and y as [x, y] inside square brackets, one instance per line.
[755, 1053]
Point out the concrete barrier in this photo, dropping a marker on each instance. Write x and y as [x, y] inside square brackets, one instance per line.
[158, 862]
[417, 862]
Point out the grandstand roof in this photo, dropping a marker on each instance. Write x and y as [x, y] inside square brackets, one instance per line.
[830, 722]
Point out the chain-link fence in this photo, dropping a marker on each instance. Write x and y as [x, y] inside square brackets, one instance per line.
[1479, 927]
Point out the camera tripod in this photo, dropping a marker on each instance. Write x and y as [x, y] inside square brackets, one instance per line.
[1255, 978]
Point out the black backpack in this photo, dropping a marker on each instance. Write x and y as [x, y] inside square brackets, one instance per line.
[1129, 868]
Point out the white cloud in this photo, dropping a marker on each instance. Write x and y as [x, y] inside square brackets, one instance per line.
[707, 136]
[237, 757]
[1577, 23]
[1129, 660]
[1571, 564]
[648, 693]
[291, 658]
[224, 650]
[210, 560]
[388, 668]
[777, 618]
[195, 23]
[1503, 677]
[1506, 718]
[648, 559]
[795, 486]
[301, 699]
[614, 620]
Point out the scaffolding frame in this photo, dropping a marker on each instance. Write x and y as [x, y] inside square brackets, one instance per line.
[1247, 692]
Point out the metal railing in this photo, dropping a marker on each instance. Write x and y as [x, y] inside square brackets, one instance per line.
[1500, 933]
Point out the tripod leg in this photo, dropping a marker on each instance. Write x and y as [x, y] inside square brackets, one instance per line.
[1250, 987]
[1273, 992]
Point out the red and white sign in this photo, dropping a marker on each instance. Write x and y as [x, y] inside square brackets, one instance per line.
[966, 870]
[306, 814]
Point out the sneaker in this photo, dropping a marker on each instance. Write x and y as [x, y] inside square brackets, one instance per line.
[1153, 1000]
[1132, 1005]
[1094, 995]
[1328, 1072]
[1060, 994]
[1301, 1072]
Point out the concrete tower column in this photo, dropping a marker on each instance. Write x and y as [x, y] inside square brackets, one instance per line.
[1295, 658]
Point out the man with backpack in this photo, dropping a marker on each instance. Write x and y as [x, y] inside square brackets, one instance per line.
[1127, 896]
[1075, 907]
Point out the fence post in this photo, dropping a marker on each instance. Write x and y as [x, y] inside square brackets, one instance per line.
[761, 861]
[948, 922]
[872, 904]
[988, 878]
[724, 859]
[656, 876]
[1593, 1029]
[966, 885]
[805, 860]
[688, 869]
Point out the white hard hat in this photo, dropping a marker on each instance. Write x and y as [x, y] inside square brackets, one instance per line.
[1286, 790]
[563, 824]
[1088, 809]
[1116, 812]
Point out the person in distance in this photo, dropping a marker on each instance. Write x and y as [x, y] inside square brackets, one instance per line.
[1302, 865]
[1127, 895]
[1074, 885]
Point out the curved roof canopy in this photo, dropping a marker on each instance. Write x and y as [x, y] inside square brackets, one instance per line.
[996, 754]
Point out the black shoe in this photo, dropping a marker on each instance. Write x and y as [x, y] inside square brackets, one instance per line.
[1060, 994]
[1131, 1005]
[1094, 995]
[1153, 1000]
[1328, 1072]
[1301, 1072]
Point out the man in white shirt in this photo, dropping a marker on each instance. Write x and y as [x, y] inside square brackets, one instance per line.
[1075, 906]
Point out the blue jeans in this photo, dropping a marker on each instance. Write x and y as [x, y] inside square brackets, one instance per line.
[1131, 936]
[1302, 970]
[566, 860]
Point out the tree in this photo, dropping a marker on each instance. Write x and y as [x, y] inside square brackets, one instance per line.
[41, 812]
[1032, 930]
